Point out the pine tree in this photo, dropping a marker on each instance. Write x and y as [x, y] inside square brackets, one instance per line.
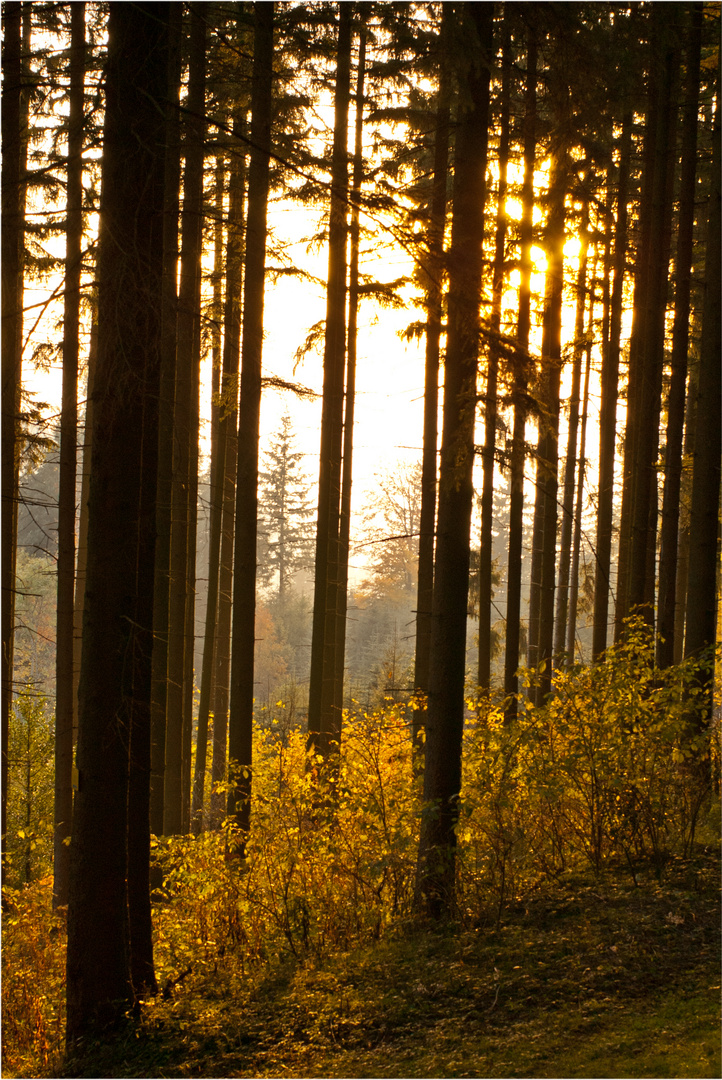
[109, 945]
[285, 520]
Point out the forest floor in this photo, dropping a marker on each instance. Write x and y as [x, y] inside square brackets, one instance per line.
[589, 977]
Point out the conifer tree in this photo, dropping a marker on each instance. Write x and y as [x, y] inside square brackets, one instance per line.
[285, 526]
[109, 945]
[445, 710]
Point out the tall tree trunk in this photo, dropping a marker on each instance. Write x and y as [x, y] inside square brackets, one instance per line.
[435, 888]
[216, 513]
[433, 301]
[571, 627]
[169, 319]
[608, 406]
[110, 820]
[13, 180]
[680, 344]
[645, 505]
[560, 626]
[492, 376]
[324, 725]
[64, 711]
[350, 397]
[680, 614]
[183, 508]
[240, 717]
[702, 594]
[646, 346]
[518, 453]
[541, 604]
[227, 438]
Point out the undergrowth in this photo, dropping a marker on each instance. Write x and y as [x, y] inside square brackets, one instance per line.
[606, 779]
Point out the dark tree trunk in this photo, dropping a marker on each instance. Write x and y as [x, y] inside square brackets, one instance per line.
[680, 615]
[492, 376]
[704, 515]
[516, 471]
[434, 291]
[169, 317]
[13, 169]
[227, 438]
[240, 717]
[680, 344]
[571, 628]
[435, 888]
[185, 427]
[645, 498]
[64, 681]
[216, 513]
[114, 718]
[565, 553]
[324, 720]
[608, 406]
[541, 603]
[639, 500]
[350, 398]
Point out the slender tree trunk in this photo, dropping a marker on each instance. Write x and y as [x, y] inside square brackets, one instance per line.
[169, 317]
[434, 292]
[638, 521]
[240, 717]
[492, 375]
[435, 888]
[608, 406]
[324, 725]
[112, 803]
[577, 538]
[353, 302]
[227, 448]
[82, 558]
[64, 711]
[518, 454]
[541, 604]
[702, 594]
[680, 344]
[680, 614]
[216, 512]
[182, 574]
[13, 169]
[560, 626]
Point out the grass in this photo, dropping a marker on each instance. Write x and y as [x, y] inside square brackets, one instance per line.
[588, 977]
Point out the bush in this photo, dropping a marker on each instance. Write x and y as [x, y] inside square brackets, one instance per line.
[33, 980]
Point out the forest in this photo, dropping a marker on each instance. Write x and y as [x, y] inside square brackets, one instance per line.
[361, 443]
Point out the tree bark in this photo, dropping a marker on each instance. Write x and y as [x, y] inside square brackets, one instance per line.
[350, 395]
[216, 513]
[518, 449]
[240, 716]
[64, 680]
[541, 603]
[435, 882]
[324, 721]
[702, 594]
[565, 553]
[169, 317]
[638, 518]
[227, 437]
[114, 715]
[492, 377]
[680, 344]
[571, 627]
[608, 405]
[13, 169]
[185, 426]
[433, 300]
